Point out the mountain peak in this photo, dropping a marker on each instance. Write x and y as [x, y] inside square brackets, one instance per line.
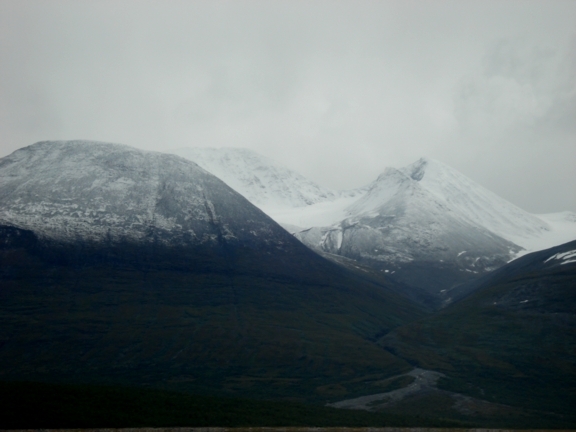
[390, 172]
[425, 166]
[264, 182]
[417, 170]
[474, 202]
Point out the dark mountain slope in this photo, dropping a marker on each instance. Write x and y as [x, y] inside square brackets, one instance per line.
[121, 266]
[512, 341]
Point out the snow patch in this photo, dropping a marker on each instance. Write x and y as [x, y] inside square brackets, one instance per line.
[562, 256]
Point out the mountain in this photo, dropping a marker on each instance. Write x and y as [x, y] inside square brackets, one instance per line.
[111, 193]
[431, 228]
[121, 266]
[426, 226]
[511, 341]
[141, 269]
[473, 202]
[265, 183]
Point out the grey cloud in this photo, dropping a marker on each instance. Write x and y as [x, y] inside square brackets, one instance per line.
[337, 90]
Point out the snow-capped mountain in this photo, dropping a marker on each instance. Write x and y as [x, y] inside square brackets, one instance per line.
[65, 191]
[267, 184]
[425, 224]
[429, 189]
[474, 202]
[401, 227]
[399, 221]
[430, 226]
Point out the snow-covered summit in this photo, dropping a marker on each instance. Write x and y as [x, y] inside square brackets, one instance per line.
[387, 186]
[265, 183]
[454, 192]
[426, 216]
[400, 220]
[474, 202]
[428, 181]
[70, 190]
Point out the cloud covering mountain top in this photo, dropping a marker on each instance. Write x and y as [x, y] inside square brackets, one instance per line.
[488, 87]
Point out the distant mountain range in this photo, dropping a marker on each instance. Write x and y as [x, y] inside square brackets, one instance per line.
[426, 225]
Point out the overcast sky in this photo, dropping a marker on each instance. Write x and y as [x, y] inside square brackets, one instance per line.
[337, 90]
